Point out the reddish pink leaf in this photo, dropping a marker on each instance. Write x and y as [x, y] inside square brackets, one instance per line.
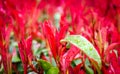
[4, 46]
[6, 59]
[114, 64]
[66, 59]
[23, 56]
[49, 33]
[111, 47]
[77, 68]
[28, 47]
[61, 33]
[70, 70]
[26, 52]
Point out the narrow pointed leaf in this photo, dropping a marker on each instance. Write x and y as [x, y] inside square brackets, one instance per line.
[89, 70]
[84, 45]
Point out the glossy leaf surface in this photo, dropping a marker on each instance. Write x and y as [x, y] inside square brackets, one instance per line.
[84, 45]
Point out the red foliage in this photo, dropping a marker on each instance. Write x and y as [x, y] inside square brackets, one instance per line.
[26, 53]
[96, 20]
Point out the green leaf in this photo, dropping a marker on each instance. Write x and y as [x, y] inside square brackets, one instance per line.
[44, 64]
[15, 59]
[84, 45]
[53, 70]
[20, 68]
[87, 67]
[89, 70]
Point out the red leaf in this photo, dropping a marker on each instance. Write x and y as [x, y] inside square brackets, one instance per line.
[70, 70]
[28, 47]
[48, 31]
[23, 56]
[77, 68]
[81, 72]
[25, 52]
[62, 33]
[111, 47]
[66, 59]
[6, 59]
[115, 67]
